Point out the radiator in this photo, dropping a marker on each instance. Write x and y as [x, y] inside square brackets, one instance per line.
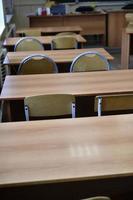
[3, 68]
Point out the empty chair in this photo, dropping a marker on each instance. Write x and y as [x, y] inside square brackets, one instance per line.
[98, 198]
[122, 103]
[28, 44]
[65, 33]
[49, 106]
[89, 61]
[33, 33]
[37, 64]
[64, 42]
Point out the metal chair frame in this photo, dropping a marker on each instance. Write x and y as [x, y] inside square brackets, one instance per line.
[90, 53]
[28, 38]
[35, 56]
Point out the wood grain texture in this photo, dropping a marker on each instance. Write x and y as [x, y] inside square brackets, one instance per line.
[84, 83]
[62, 56]
[51, 29]
[43, 39]
[66, 150]
[82, 20]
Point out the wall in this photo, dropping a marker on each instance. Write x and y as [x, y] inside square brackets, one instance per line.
[23, 8]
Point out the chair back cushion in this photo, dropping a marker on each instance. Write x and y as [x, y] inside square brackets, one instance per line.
[89, 61]
[28, 44]
[64, 42]
[49, 105]
[37, 64]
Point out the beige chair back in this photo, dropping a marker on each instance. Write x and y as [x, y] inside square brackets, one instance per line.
[29, 44]
[33, 33]
[98, 198]
[37, 64]
[66, 33]
[129, 17]
[64, 42]
[49, 105]
[89, 61]
[121, 102]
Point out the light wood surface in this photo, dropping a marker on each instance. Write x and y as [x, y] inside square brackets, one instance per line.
[58, 29]
[66, 150]
[43, 39]
[82, 20]
[62, 56]
[116, 22]
[84, 83]
[125, 53]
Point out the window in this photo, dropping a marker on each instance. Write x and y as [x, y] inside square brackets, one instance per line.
[2, 20]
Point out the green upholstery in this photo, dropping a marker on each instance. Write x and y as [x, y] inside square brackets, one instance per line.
[28, 44]
[98, 198]
[64, 42]
[49, 105]
[119, 102]
[89, 61]
[37, 64]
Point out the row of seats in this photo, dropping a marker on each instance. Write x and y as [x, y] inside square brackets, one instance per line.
[40, 64]
[63, 105]
[58, 42]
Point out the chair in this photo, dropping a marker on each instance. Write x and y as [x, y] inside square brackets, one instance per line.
[64, 42]
[122, 103]
[37, 64]
[33, 33]
[66, 33]
[129, 18]
[98, 198]
[89, 61]
[28, 44]
[49, 106]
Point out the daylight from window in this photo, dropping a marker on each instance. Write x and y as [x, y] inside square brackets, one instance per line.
[2, 22]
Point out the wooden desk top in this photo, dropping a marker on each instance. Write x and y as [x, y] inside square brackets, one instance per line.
[51, 29]
[61, 56]
[40, 152]
[84, 83]
[101, 12]
[43, 39]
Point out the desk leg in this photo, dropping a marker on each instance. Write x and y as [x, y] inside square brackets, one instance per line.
[125, 52]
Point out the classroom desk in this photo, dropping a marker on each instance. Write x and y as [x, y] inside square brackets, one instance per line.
[43, 153]
[125, 54]
[50, 30]
[9, 43]
[78, 84]
[62, 56]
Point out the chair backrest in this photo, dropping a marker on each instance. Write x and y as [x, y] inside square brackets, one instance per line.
[64, 42]
[28, 44]
[66, 33]
[33, 33]
[122, 103]
[37, 64]
[89, 61]
[129, 18]
[98, 198]
[55, 106]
